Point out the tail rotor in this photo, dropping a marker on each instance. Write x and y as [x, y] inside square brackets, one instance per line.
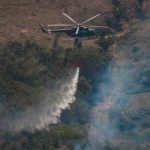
[40, 27]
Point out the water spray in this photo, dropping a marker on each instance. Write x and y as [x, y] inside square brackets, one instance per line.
[47, 111]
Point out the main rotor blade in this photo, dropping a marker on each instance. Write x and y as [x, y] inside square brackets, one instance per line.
[70, 18]
[77, 31]
[59, 30]
[60, 25]
[100, 27]
[90, 19]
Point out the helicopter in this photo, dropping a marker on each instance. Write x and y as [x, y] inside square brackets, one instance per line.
[74, 30]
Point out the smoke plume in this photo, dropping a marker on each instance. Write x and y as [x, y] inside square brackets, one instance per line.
[108, 118]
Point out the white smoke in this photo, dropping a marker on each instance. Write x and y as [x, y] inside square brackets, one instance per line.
[103, 131]
[48, 110]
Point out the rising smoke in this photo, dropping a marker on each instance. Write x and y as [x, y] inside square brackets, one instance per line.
[48, 110]
[107, 117]
[102, 129]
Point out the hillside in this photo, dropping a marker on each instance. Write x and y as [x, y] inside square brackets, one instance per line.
[123, 116]
[110, 110]
[19, 19]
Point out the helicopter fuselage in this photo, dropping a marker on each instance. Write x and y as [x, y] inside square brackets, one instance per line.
[83, 32]
[73, 30]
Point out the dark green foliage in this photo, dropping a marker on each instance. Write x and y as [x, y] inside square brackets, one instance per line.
[135, 49]
[55, 42]
[73, 132]
[91, 60]
[78, 112]
[118, 12]
[85, 86]
[116, 2]
[140, 13]
[105, 43]
[140, 2]
[59, 135]
[27, 69]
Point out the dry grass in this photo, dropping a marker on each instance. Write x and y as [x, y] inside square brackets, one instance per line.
[18, 19]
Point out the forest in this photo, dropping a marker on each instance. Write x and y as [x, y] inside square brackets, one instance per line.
[28, 69]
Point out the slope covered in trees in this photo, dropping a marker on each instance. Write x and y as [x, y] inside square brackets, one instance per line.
[29, 68]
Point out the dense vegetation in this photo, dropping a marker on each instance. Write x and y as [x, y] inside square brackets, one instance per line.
[27, 69]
